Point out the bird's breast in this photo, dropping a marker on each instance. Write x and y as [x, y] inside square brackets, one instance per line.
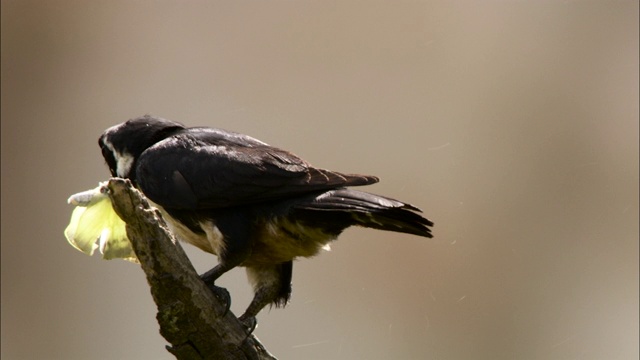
[210, 239]
[273, 240]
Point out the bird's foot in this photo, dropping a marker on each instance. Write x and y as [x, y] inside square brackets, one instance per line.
[249, 322]
[222, 295]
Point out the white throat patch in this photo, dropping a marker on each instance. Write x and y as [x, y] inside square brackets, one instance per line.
[124, 160]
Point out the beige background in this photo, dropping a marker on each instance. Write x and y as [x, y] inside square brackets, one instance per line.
[513, 124]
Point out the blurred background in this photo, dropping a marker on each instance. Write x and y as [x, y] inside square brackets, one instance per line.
[512, 124]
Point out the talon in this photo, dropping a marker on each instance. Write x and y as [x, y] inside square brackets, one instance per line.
[249, 322]
[223, 295]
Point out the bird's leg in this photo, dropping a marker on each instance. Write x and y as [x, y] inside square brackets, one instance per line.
[272, 285]
[235, 230]
[232, 257]
[221, 293]
[263, 297]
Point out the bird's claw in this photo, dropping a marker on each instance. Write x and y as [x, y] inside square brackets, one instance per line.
[223, 296]
[249, 322]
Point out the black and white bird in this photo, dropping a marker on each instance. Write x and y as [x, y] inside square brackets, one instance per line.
[251, 204]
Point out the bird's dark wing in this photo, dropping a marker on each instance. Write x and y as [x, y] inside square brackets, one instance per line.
[195, 171]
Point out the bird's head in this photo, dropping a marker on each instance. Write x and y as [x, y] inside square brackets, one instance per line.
[122, 144]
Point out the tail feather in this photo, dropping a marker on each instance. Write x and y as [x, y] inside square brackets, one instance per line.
[353, 207]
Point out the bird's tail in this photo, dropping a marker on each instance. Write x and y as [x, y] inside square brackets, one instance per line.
[345, 207]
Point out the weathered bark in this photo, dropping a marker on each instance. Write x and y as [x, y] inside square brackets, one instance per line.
[191, 318]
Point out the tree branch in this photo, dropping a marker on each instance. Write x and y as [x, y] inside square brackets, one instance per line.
[191, 318]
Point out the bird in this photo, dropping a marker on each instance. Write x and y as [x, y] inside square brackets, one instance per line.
[250, 204]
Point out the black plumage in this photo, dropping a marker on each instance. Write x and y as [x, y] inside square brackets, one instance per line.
[251, 204]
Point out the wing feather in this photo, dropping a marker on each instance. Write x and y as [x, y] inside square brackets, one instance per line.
[209, 171]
